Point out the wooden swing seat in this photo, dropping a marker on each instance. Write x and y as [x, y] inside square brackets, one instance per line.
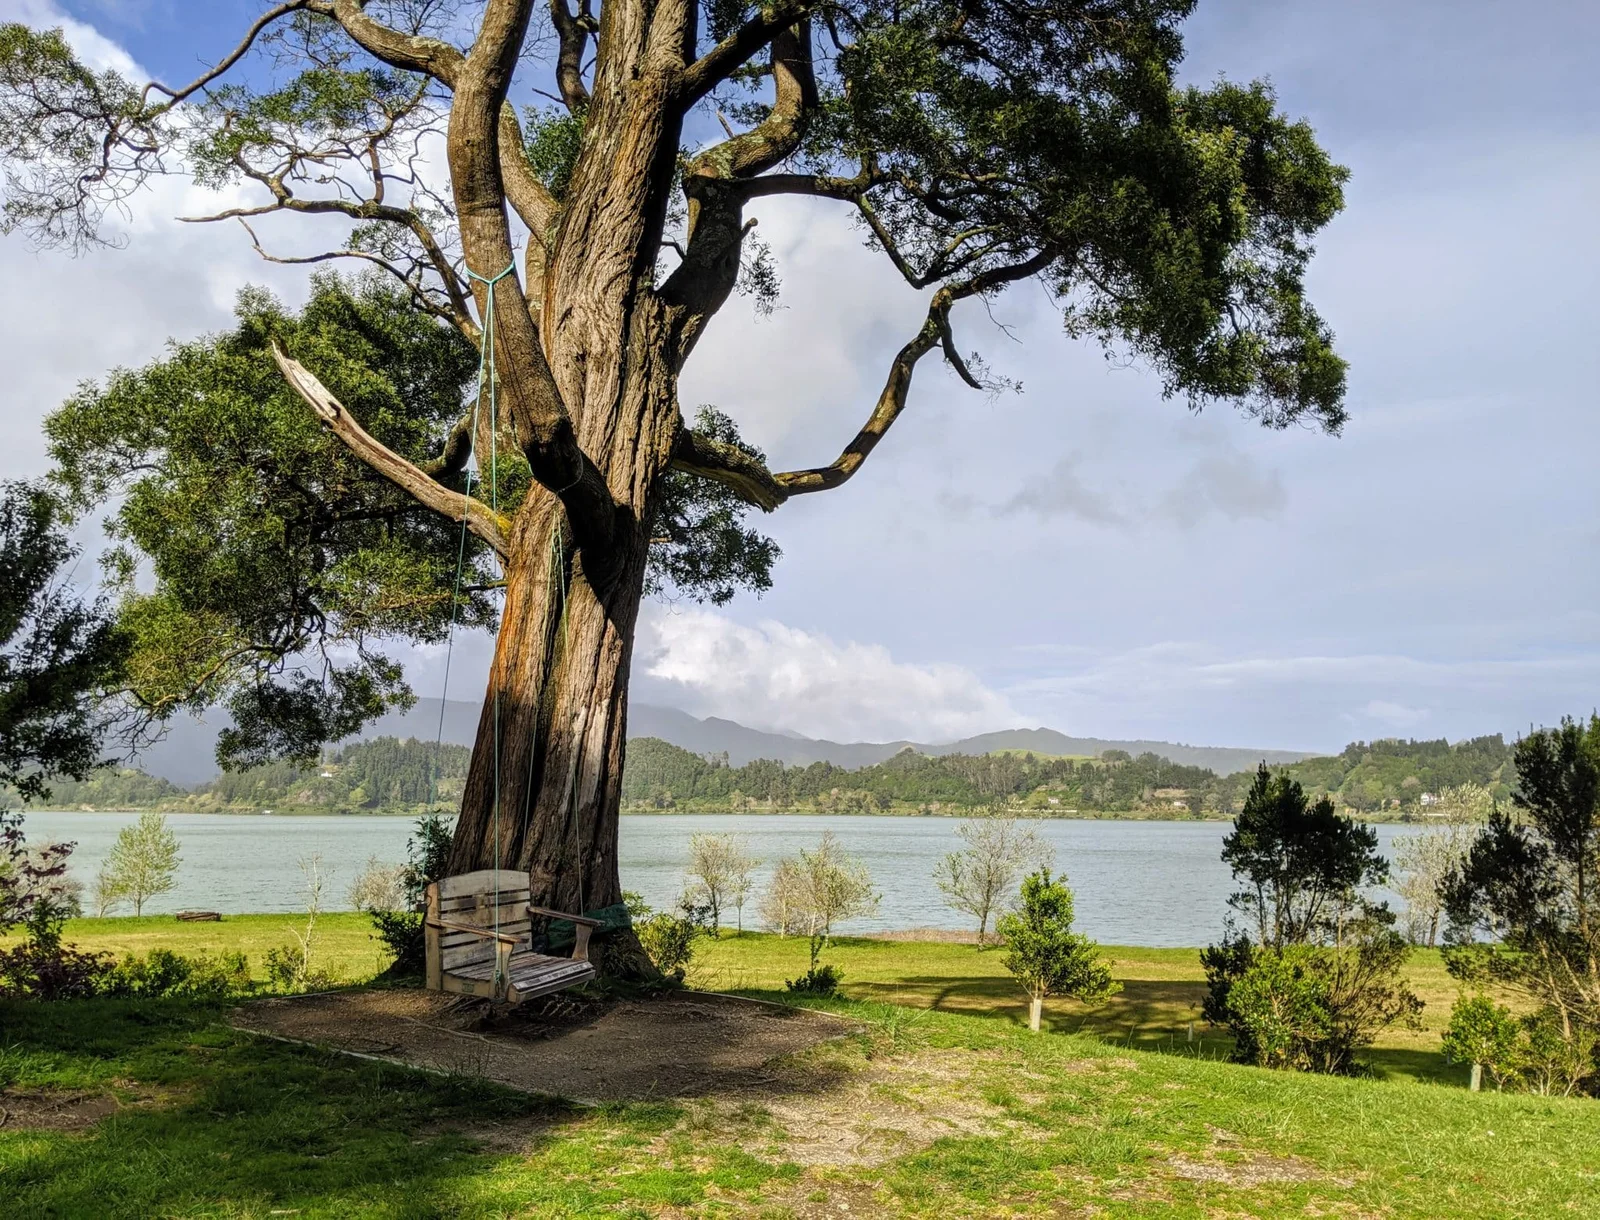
[479, 930]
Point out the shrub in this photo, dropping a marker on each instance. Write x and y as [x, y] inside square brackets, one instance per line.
[1531, 1054]
[289, 969]
[162, 974]
[819, 980]
[379, 887]
[41, 967]
[35, 893]
[400, 930]
[669, 939]
[1311, 1007]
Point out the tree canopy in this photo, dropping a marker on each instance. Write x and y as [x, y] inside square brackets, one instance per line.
[58, 653]
[1300, 861]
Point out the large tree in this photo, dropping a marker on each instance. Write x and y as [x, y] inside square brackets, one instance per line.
[979, 143]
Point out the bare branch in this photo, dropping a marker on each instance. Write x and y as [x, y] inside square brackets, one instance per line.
[462, 321]
[452, 460]
[480, 518]
[175, 96]
[730, 466]
[572, 33]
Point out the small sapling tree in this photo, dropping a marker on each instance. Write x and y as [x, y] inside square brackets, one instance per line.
[1483, 1034]
[810, 893]
[1045, 955]
[719, 874]
[996, 850]
[1423, 861]
[143, 862]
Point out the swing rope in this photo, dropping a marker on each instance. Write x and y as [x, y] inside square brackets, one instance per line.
[487, 373]
[487, 376]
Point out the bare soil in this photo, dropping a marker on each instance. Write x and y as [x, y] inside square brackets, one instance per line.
[678, 1045]
[56, 1109]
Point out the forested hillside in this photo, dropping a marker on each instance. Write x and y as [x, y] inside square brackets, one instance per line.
[385, 775]
[1387, 777]
[391, 775]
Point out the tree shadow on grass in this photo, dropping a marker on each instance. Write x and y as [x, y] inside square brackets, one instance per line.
[1152, 1008]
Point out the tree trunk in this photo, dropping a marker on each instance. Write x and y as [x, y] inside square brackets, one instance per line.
[544, 787]
[1035, 1012]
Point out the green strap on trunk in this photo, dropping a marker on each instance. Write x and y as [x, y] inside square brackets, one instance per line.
[614, 918]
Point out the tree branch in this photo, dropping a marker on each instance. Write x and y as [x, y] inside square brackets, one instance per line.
[892, 400]
[174, 96]
[572, 34]
[480, 518]
[730, 466]
[539, 418]
[734, 51]
[445, 64]
[778, 135]
[456, 315]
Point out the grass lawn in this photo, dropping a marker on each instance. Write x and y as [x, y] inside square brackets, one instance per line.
[1161, 988]
[945, 1114]
[944, 1106]
[343, 942]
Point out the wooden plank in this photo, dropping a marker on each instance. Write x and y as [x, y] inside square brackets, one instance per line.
[450, 939]
[482, 881]
[521, 989]
[485, 899]
[430, 941]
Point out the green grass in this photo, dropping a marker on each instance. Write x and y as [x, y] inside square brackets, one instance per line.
[945, 1105]
[344, 946]
[219, 1124]
[1161, 988]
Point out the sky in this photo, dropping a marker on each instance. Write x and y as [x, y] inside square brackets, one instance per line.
[1084, 555]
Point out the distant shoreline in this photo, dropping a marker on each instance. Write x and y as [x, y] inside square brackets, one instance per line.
[1087, 815]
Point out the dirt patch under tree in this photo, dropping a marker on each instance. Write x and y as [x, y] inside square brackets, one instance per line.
[678, 1045]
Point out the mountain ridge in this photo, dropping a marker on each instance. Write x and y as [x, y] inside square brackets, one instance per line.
[186, 755]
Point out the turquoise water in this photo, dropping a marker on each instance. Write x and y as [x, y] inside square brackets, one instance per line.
[1137, 883]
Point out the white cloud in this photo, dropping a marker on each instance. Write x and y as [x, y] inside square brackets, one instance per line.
[1229, 483]
[777, 677]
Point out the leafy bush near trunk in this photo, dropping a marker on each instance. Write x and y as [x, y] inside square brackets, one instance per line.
[669, 937]
[428, 852]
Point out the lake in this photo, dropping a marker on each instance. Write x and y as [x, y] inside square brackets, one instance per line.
[1137, 882]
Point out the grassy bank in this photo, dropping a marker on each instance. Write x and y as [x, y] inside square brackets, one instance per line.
[934, 1115]
[1161, 988]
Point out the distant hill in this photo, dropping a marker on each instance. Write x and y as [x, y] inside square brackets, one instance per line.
[186, 756]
